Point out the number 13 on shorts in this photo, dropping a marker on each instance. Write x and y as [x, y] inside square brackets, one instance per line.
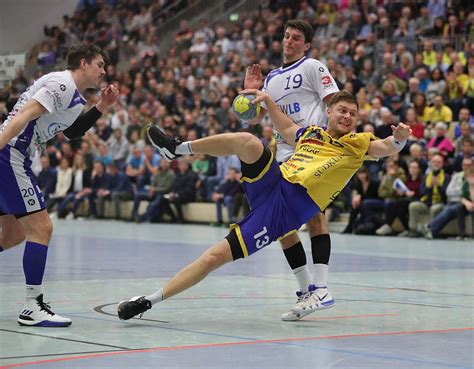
[261, 238]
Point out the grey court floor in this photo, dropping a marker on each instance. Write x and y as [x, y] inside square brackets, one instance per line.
[400, 303]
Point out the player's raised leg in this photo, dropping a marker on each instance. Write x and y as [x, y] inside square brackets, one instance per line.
[38, 228]
[245, 145]
[210, 260]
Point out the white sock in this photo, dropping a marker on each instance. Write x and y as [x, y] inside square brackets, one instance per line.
[184, 148]
[33, 291]
[321, 275]
[156, 296]
[302, 276]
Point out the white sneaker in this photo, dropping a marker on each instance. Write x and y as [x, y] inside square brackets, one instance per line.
[291, 316]
[37, 313]
[404, 233]
[318, 299]
[384, 230]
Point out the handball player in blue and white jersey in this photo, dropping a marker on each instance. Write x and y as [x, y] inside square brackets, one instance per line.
[52, 104]
[302, 87]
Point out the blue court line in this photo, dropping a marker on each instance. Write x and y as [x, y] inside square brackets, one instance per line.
[369, 355]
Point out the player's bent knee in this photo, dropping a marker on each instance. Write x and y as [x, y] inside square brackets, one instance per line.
[211, 260]
[289, 241]
[41, 231]
[12, 241]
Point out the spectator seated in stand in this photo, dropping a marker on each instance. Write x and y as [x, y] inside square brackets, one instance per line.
[183, 191]
[47, 177]
[161, 184]
[406, 191]
[454, 206]
[432, 196]
[225, 195]
[364, 187]
[79, 190]
[119, 190]
[388, 194]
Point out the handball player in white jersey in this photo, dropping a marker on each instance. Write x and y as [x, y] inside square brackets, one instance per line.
[52, 104]
[301, 87]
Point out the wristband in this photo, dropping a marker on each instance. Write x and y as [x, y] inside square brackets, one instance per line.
[398, 144]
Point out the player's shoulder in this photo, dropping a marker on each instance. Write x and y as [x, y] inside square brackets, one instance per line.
[64, 76]
[63, 81]
[358, 136]
[315, 65]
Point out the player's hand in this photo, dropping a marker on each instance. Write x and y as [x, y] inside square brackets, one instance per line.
[401, 132]
[108, 96]
[259, 95]
[253, 77]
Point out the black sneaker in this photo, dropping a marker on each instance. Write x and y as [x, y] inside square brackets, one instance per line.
[133, 307]
[165, 144]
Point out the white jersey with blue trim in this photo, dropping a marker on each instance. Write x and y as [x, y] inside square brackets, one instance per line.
[299, 90]
[58, 94]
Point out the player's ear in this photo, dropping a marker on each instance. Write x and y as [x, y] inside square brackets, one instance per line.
[307, 46]
[83, 63]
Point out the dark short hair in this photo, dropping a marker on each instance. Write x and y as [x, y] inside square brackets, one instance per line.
[84, 51]
[302, 26]
[343, 95]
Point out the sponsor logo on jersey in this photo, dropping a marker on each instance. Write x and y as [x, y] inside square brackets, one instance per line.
[327, 165]
[289, 109]
[62, 87]
[54, 95]
[326, 80]
[310, 149]
[55, 128]
[315, 133]
[311, 141]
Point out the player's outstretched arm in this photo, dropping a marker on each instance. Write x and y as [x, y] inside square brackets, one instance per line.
[32, 110]
[280, 120]
[391, 144]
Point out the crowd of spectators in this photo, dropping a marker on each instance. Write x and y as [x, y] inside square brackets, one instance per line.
[409, 62]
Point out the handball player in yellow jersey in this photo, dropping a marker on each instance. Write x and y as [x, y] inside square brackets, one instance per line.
[282, 198]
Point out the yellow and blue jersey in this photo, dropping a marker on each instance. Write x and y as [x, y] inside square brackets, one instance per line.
[323, 165]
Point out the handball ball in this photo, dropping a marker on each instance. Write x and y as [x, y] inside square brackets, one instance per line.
[244, 109]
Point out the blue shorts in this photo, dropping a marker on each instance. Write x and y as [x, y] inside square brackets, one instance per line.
[278, 208]
[19, 191]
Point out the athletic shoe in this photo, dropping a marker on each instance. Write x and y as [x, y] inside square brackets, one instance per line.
[165, 144]
[133, 307]
[404, 233]
[425, 231]
[319, 298]
[291, 316]
[37, 313]
[384, 230]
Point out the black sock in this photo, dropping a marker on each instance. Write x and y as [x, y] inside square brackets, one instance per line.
[295, 255]
[321, 248]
